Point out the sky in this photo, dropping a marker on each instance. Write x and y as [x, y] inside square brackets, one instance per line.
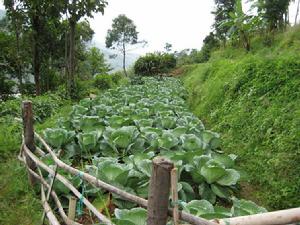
[184, 24]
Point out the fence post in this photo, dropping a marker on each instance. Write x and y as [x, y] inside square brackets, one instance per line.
[29, 136]
[72, 208]
[159, 190]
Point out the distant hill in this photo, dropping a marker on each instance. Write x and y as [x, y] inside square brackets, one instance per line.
[2, 13]
[117, 62]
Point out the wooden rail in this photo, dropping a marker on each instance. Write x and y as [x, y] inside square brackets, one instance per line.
[160, 182]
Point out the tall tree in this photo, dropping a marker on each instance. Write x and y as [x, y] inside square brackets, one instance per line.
[76, 9]
[123, 33]
[38, 14]
[274, 12]
[297, 12]
[16, 21]
[222, 12]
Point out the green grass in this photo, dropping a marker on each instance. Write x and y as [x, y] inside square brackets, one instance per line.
[19, 204]
[253, 100]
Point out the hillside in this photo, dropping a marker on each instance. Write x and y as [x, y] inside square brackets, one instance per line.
[253, 100]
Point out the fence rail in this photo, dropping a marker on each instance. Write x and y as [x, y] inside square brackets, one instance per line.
[157, 205]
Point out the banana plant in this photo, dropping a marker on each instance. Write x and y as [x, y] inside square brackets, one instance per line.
[241, 25]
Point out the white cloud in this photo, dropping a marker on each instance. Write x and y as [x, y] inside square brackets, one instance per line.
[184, 24]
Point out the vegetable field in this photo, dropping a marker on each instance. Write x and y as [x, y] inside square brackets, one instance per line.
[115, 136]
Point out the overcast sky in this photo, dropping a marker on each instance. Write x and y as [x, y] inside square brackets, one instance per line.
[184, 24]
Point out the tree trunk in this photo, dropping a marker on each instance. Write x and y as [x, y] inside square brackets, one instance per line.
[66, 56]
[297, 12]
[19, 60]
[124, 59]
[245, 40]
[71, 80]
[36, 65]
[36, 53]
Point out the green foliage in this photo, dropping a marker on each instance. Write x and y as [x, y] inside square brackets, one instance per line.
[253, 100]
[154, 64]
[94, 63]
[240, 25]
[274, 12]
[206, 210]
[119, 133]
[123, 33]
[222, 10]
[14, 191]
[10, 136]
[43, 106]
[103, 81]
[84, 88]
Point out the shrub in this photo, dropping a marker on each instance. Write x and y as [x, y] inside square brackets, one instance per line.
[154, 64]
[43, 106]
[6, 87]
[103, 81]
[117, 77]
[84, 88]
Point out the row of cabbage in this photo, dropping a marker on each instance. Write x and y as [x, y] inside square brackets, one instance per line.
[116, 135]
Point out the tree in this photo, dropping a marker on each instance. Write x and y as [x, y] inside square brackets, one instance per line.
[16, 22]
[77, 9]
[168, 47]
[209, 43]
[123, 33]
[223, 8]
[95, 62]
[37, 15]
[240, 25]
[297, 12]
[274, 12]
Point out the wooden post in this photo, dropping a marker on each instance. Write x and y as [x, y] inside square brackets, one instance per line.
[174, 195]
[29, 136]
[159, 190]
[72, 208]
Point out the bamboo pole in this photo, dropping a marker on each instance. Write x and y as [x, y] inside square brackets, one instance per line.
[50, 189]
[72, 208]
[47, 209]
[61, 211]
[69, 185]
[28, 131]
[159, 190]
[187, 217]
[288, 216]
[174, 195]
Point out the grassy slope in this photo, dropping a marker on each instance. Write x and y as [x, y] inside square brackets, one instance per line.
[253, 100]
[19, 204]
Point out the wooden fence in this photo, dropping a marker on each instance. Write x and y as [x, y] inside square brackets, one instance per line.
[163, 180]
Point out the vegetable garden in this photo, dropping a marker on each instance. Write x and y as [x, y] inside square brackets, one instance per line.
[114, 139]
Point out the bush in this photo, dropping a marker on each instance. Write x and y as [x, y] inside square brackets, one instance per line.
[103, 81]
[84, 88]
[117, 77]
[154, 64]
[6, 87]
[43, 106]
